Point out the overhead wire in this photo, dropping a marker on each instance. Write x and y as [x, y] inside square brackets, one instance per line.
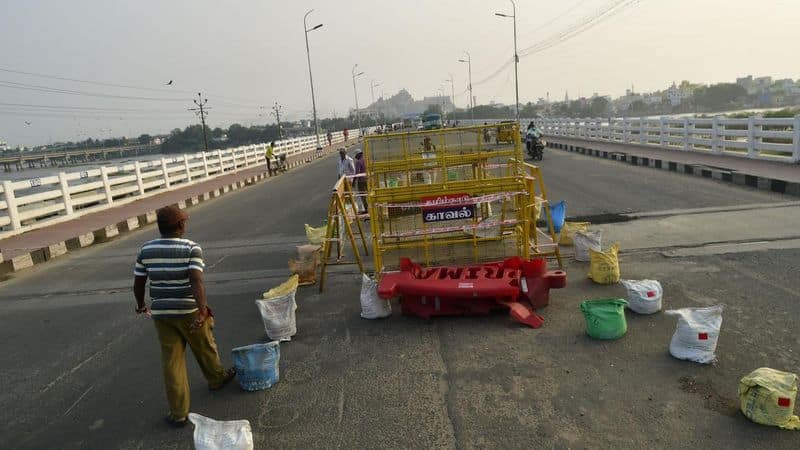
[601, 15]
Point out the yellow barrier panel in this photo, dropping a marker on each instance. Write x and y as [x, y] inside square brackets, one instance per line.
[451, 197]
[342, 212]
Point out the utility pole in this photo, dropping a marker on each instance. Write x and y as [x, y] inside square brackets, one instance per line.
[471, 97]
[452, 91]
[355, 94]
[201, 111]
[276, 111]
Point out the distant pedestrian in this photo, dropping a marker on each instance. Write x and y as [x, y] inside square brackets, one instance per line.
[360, 183]
[179, 310]
[269, 154]
[344, 132]
[330, 138]
[346, 166]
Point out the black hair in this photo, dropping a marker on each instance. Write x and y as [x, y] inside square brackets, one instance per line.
[168, 229]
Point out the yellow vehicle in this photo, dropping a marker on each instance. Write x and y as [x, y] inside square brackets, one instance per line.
[505, 132]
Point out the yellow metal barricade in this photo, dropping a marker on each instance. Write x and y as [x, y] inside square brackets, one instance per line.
[448, 197]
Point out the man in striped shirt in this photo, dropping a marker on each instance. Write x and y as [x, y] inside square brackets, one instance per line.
[181, 315]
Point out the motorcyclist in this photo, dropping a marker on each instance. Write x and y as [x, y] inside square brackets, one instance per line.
[533, 142]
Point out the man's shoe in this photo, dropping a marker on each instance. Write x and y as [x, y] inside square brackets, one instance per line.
[230, 374]
[176, 422]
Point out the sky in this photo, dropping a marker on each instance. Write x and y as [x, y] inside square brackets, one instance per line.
[245, 55]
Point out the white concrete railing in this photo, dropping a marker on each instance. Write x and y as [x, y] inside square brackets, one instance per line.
[776, 139]
[38, 202]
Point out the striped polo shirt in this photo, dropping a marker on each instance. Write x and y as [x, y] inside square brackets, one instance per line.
[166, 262]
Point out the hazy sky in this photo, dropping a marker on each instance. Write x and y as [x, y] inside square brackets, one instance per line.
[247, 53]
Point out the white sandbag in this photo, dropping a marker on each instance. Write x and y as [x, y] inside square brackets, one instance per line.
[277, 310]
[644, 296]
[696, 334]
[585, 240]
[210, 434]
[372, 306]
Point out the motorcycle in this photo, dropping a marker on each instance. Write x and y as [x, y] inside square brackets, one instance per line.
[535, 144]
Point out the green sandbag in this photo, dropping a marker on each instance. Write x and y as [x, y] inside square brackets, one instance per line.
[605, 318]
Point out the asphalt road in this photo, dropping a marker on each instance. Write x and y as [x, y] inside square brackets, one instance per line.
[81, 370]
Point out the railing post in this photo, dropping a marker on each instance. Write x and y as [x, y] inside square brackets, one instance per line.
[165, 173]
[751, 137]
[137, 169]
[106, 185]
[187, 168]
[796, 140]
[662, 132]
[642, 139]
[11, 205]
[221, 164]
[686, 133]
[715, 147]
[611, 129]
[205, 165]
[625, 130]
[65, 197]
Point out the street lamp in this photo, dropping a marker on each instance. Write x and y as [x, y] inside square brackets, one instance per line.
[372, 87]
[310, 78]
[469, 72]
[355, 94]
[452, 91]
[516, 56]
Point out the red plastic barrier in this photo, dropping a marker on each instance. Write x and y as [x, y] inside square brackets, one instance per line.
[513, 284]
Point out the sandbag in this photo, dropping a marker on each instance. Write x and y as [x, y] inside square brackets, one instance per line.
[604, 265]
[210, 434]
[558, 213]
[696, 334]
[257, 365]
[585, 240]
[372, 306]
[605, 318]
[767, 396]
[305, 263]
[315, 236]
[537, 208]
[644, 296]
[277, 310]
[570, 228]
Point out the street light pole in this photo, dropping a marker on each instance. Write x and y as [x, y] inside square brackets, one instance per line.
[355, 94]
[452, 91]
[310, 78]
[471, 98]
[516, 57]
[372, 87]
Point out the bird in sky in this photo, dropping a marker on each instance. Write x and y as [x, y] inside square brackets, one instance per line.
[169, 83]
[27, 123]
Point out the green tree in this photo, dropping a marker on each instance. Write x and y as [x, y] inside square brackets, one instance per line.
[144, 139]
[600, 106]
[719, 96]
[433, 109]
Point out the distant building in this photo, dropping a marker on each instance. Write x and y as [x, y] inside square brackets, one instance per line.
[652, 99]
[677, 95]
[3, 145]
[761, 84]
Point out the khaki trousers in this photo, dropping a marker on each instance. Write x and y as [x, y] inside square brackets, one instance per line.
[173, 334]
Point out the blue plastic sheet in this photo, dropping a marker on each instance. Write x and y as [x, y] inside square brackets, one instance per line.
[257, 365]
[558, 212]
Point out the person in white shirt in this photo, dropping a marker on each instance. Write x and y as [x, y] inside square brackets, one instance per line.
[346, 165]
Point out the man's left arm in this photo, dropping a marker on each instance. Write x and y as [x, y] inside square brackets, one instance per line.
[139, 285]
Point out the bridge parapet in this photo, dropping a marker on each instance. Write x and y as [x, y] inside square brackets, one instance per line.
[42, 201]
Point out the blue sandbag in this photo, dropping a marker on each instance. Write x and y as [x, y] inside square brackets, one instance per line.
[257, 365]
[558, 212]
